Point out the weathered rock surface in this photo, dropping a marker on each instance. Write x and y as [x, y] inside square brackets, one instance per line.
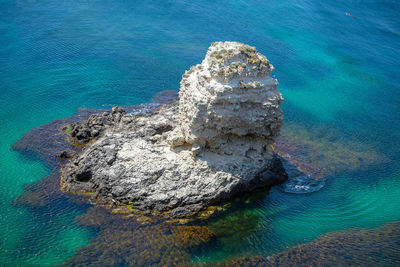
[229, 95]
[213, 143]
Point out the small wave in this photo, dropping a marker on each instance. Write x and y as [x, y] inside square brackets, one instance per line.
[163, 97]
[302, 184]
[109, 105]
[142, 109]
[299, 182]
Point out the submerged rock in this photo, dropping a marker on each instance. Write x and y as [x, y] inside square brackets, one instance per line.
[322, 151]
[49, 144]
[350, 247]
[212, 144]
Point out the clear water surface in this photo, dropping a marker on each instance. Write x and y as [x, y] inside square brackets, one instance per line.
[335, 72]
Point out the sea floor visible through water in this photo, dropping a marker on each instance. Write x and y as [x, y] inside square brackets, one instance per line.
[337, 73]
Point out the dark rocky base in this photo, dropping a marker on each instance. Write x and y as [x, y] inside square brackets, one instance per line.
[55, 144]
[102, 170]
[306, 154]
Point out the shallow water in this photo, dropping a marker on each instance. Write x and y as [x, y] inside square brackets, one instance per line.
[338, 75]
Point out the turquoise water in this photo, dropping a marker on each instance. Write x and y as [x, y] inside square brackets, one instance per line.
[335, 72]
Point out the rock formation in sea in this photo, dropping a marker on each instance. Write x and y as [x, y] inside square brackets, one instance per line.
[210, 145]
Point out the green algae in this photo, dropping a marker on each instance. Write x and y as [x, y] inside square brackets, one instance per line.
[67, 130]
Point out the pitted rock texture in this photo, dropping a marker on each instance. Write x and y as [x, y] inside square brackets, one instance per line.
[212, 144]
[81, 133]
[230, 93]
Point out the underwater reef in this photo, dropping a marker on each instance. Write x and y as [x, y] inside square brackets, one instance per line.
[350, 247]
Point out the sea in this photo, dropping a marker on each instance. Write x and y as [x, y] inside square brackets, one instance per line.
[338, 67]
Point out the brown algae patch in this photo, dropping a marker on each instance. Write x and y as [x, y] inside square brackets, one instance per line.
[188, 236]
[127, 241]
[239, 224]
[133, 247]
[320, 151]
[351, 247]
[41, 193]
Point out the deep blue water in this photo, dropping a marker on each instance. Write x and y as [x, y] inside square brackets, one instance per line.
[336, 72]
